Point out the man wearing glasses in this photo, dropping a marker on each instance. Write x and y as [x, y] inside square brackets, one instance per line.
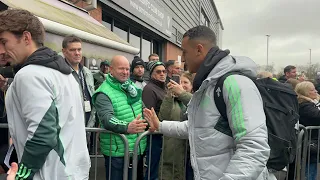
[152, 96]
[152, 57]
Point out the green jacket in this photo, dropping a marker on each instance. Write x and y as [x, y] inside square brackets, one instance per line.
[98, 77]
[174, 150]
[115, 110]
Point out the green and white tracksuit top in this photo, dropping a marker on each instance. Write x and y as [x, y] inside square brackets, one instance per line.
[45, 118]
[215, 155]
[124, 113]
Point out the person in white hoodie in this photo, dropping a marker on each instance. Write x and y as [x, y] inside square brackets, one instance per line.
[44, 104]
[216, 152]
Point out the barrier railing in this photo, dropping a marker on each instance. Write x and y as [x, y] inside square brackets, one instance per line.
[303, 167]
[96, 156]
[310, 154]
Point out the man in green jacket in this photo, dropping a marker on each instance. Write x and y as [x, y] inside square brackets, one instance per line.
[119, 107]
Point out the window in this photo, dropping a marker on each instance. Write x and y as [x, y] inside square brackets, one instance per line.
[121, 30]
[146, 44]
[179, 37]
[107, 21]
[156, 47]
[135, 41]
[204, 20]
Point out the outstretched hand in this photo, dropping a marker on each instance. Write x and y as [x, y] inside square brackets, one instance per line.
[137, 125]
[12, 171]
[152, 118]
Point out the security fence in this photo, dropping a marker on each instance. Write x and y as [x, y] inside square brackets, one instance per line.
[305, 167]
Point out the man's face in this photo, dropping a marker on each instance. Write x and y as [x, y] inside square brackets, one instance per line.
[73, 53]
[104, 69]
[292, 73]
[4, 58]
[153, 58]
[174, 69]
[13, 49]
[159, 73]
[120, 70]
[138, 71]
[193, 54]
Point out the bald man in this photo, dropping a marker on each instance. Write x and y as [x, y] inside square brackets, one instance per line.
[119, 109]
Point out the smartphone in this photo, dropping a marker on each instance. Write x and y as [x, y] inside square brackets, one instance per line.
[176, 78]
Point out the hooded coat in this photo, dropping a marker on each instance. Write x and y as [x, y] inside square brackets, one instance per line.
[215, 155]
[45, 118]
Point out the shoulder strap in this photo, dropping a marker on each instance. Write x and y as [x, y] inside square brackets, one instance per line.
[218, 93]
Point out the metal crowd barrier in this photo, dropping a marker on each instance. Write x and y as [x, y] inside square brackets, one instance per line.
[161, 163]
[301, 166]
[96, 156]
[311, 152]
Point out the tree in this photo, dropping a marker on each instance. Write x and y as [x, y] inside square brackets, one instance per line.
[309, 70]
[268, 68]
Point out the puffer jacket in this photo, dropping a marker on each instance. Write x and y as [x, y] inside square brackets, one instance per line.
[215, 155]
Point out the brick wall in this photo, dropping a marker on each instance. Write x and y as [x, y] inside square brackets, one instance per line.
[171, 52]
[96, 13]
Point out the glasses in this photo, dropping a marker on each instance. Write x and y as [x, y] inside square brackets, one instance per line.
[161, 71]
[154, 59]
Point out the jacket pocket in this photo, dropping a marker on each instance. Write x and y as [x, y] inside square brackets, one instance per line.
[280, 152]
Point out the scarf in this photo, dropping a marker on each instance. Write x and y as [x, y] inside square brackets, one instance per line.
[211, 60]
[134, 94]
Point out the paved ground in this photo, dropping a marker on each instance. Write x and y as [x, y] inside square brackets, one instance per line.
[101, 175]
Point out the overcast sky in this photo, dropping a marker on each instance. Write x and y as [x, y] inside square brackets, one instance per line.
[294, 26]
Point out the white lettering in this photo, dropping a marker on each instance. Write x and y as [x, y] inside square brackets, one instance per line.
[146, 13]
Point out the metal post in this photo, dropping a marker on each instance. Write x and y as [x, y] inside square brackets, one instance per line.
[310, 56]
[268, 49]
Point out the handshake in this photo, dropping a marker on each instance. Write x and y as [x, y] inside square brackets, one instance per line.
[139, 125]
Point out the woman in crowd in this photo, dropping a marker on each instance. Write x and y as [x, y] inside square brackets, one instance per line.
[309, 109]
[175, 163]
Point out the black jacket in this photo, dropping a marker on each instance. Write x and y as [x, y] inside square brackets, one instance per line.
[153, 94]
[310, 116]
[283, 79]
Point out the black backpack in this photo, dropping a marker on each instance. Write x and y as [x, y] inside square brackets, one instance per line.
[281, 109]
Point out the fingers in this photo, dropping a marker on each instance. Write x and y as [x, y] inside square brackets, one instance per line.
[13, 171]
[138, 117]
[173, 82]
[153, 112]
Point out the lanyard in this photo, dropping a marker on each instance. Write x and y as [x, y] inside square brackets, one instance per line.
[83, 85]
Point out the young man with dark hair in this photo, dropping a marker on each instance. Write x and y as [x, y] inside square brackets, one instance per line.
[137, 71]
[152, 57]
[214, 154]
[289, 72]
[72, 51]
[43, 103]
[100, 76]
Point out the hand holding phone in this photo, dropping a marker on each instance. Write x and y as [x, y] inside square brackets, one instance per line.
[176, 78]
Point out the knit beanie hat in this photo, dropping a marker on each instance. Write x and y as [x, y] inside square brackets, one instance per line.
[135, 62]
[153, 64]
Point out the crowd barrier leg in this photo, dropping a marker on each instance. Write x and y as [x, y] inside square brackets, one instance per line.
[96, 156]
[136, 154]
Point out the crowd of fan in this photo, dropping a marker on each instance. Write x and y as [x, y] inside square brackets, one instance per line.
[52, 98]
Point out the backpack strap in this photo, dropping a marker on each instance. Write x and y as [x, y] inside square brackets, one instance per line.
[222, 124]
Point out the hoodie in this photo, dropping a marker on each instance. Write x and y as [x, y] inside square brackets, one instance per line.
[45, 118]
